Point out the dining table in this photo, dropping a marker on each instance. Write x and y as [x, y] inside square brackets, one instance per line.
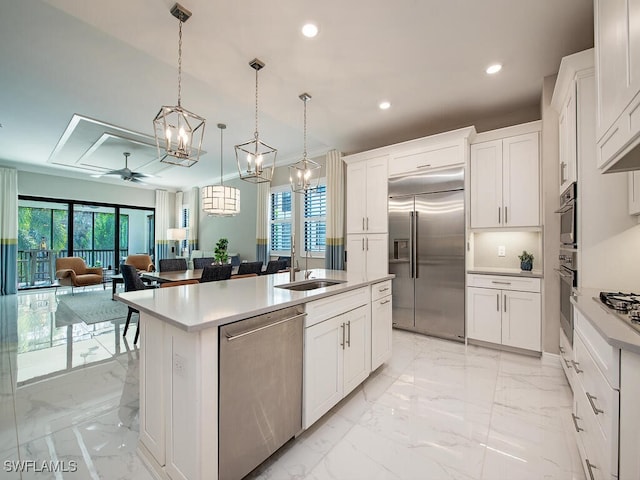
[177, 275]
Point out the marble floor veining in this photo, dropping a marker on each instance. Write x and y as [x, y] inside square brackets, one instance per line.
[436, 410]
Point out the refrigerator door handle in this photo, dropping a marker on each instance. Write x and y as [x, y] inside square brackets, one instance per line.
[415, 246]
[411, 225]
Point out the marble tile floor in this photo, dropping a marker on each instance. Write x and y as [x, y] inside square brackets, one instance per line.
[437, 410]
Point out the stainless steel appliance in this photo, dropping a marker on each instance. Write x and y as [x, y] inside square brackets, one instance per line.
[568, 282]
[625, 305]
[260, 389]
[427, 252]
[567, 213]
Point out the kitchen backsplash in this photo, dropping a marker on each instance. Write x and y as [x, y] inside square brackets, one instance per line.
[487, 246]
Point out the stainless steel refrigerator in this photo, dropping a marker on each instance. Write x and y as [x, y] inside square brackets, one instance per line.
[426, 252]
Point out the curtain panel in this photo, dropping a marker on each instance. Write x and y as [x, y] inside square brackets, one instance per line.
[8, 231]
[334, 254]
[194, 218]
[162, 224]
[262, 222]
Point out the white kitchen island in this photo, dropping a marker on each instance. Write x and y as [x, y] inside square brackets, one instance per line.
[179, 332]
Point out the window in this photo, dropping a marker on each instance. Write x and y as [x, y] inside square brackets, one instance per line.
[280, 220]
[184, 223]
[314, 221]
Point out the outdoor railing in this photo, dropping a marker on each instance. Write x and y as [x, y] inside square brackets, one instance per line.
[103, 258]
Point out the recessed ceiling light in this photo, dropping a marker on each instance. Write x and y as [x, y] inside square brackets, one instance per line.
[495, 68]
[384, 105]
[310, 30]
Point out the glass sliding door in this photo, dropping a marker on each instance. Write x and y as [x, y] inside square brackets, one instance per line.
[43, 230]
[135, 234]
[94, 235]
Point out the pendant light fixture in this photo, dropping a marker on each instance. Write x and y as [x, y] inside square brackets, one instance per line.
[256, 160]
[218, 200]
[179, 132]
[302, 175]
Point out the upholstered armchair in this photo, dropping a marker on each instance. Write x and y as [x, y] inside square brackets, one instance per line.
[73, 272]
[141, 261]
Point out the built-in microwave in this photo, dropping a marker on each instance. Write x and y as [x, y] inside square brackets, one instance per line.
[567, 211]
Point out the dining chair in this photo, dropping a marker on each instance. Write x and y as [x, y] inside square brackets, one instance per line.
[213, 273]
[132, 282]
[274, 266]
[199, 263]
[173, 264]
[250, 267]
[286, 261]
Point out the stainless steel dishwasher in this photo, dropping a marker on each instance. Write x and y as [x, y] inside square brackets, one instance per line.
[260, 389]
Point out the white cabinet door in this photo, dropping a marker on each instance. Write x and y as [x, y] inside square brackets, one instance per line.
[567, 139]
[356, 197]
[521, 313]
[376, 219]
[356, 254]
[381, 324]
[357, 347]
[521, 181]
[611, 61]
[376, 246]
[483, 314]
[486, 184]
[634, 192]
[323, 368]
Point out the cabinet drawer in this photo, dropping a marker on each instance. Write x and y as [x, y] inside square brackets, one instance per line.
[426, 159]
[594, 448]
[379, 290]
[603, 402]
[328, 307]
[606, 357]
[566, 355]
[522, 284]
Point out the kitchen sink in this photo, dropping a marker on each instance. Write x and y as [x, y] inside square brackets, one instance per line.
[310, 284]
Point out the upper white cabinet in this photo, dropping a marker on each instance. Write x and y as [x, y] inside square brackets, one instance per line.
[428, 157]
[367, 196]
[617, 41]
[505, 182]
[573, 99]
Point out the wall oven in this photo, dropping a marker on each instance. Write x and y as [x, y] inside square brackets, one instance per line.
[567, 213]
[568, 282]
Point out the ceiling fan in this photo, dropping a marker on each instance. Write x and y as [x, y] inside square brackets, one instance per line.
[126, 173]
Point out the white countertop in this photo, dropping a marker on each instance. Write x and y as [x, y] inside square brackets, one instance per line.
[615, 331]
[506, 271]
[199, 306]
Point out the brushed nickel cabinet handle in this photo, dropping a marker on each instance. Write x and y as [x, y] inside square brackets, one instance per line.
[500, 283]
[575, 366]
[590, 467]
[367, 224]
[349, 333]
[426, 165]
[498, 302]
[385, 302]
[506, 215]
[575, 423]
[342, 343]
[505, 303]
[591, 398]
[363, 244]
[383, 289]
[499, 214]
[363, 224]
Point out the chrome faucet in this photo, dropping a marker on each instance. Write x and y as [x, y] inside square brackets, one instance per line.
[292, 264]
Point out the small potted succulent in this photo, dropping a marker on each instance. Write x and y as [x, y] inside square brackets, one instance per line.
[220, 253]
[526, 261]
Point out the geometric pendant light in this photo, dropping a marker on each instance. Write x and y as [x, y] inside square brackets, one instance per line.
[303, 175]
[219, 200]
[179, 132]
[256, 160]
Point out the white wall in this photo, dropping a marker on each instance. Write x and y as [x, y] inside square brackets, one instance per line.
[239, 230]
[485, 249]
[53, 186]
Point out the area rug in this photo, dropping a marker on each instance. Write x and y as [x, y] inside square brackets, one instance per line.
[93, 306]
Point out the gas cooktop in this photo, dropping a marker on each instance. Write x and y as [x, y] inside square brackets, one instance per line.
[625, 305]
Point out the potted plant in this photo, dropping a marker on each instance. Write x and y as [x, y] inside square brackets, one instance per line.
[220, 253]
[526, 261]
